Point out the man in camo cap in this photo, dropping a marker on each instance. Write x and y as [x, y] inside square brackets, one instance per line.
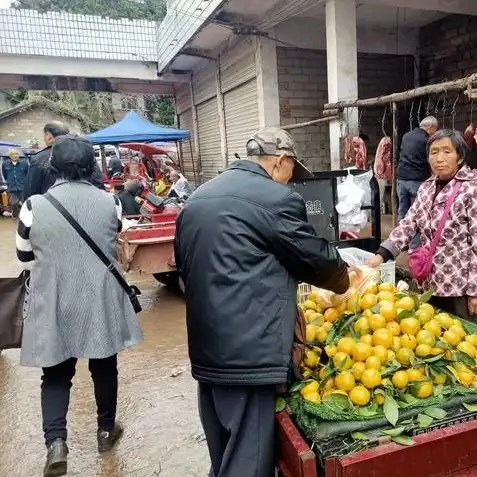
[242, 244]
[277, 145]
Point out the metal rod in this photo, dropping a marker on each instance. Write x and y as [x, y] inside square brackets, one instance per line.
[311, 123]
[192, 160]
[455, 85]
[394, 164]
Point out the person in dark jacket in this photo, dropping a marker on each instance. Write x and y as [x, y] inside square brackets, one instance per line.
[242, 245]
[115, 166]
[413, 167]
[40, 176]
[127, 197]
[14, 171]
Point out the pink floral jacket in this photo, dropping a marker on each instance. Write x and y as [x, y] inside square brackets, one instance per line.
[454, 271]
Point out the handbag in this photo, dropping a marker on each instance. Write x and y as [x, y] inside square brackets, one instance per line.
[131, 290]
[12, 297]
[421, 259]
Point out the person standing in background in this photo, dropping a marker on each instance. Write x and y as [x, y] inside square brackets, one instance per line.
[40, 176]
[413, 167]
[15, 172]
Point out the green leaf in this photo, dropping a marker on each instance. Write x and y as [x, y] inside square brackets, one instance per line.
[400, 295]
[379, 391]
[410, 399]
[425, 297]
[280, 404]
[376, 309]
[440, 344]
[391, 368]
[297, 387]
[407, 422]
[338, 402]
[434, 359]
[368, 411]
[463, 358]
[394, 432]
[424, 421]
[359, 436]
[329, 371]
[436, 413]
[438, 390]
[391, 410]
[403, 441]
[470, 407]
[404, 314]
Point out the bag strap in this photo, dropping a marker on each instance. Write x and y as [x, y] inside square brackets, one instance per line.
[89, 241]
[445, 216]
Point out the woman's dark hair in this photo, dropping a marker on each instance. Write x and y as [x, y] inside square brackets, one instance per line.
[457, 140]
[72, 158]
[74, 172]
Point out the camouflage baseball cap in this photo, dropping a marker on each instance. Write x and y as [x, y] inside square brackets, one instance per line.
[275, 141]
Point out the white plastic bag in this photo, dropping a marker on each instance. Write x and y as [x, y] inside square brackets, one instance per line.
[353, 193]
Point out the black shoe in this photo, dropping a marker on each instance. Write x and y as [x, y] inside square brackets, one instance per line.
[107, 439]
[56, 459]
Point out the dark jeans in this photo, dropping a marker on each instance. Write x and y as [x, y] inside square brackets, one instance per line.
[407, 193]
[239, 424]
[55, 395]
[14, 200]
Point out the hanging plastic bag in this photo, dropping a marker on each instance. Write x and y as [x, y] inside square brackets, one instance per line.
[352, 195]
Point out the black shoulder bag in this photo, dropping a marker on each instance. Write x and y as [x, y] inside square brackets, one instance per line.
[131, 290]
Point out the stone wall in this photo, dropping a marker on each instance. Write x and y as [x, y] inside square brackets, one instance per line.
[446, 52]
[22, 128]
[303, 89]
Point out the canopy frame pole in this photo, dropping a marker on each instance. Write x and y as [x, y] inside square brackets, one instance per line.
[192, 160]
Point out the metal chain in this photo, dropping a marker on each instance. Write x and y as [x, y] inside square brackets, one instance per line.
[419, 111]
[454, 111]
[410, 116]
[383, 122]
[428, 107]
[444, 109]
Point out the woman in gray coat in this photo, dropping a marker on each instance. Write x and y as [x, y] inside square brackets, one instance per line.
[74, 306]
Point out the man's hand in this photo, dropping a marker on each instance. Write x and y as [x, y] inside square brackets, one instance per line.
[375, 261]
[472, 305]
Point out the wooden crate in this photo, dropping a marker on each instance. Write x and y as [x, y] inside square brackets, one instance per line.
[447, 452]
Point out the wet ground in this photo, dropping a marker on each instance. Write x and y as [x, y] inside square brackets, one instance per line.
[157, 401]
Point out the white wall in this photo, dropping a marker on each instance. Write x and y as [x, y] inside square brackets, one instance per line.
[311, 34]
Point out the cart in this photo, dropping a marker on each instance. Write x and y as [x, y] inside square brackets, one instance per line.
[148, 247]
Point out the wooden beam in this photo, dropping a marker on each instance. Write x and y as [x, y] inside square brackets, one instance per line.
[74, 83]
[310, 123]
[394, 164]
[456, 85]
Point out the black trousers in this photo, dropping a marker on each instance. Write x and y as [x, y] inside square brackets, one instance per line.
[55, 395]
[239, 425]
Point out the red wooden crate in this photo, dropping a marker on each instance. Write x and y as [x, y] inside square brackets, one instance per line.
[448, 452]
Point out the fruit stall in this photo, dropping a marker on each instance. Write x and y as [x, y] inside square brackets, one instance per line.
[388, 385]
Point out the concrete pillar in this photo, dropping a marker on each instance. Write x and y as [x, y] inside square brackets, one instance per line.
[267, 82]
[342, 58]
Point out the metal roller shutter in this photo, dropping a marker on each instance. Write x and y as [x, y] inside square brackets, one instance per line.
[241, 118]
[186, 122]
[238, 65]
[209, 139]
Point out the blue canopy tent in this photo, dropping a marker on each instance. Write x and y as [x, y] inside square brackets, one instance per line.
[6, 146]
[134, 128]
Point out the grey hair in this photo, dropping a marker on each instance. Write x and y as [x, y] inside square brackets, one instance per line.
[457, 140]
[429, 122]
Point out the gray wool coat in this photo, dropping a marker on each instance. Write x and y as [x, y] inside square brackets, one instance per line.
[74, 307]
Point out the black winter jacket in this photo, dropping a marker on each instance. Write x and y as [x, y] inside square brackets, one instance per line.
[413, 162]
[41, 177]
[242, 244]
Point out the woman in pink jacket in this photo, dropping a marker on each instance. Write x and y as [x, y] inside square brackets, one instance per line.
[453, 276]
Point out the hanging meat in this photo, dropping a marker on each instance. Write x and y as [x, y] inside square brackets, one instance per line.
[355, 151]
[383, 160]
[469, 136]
